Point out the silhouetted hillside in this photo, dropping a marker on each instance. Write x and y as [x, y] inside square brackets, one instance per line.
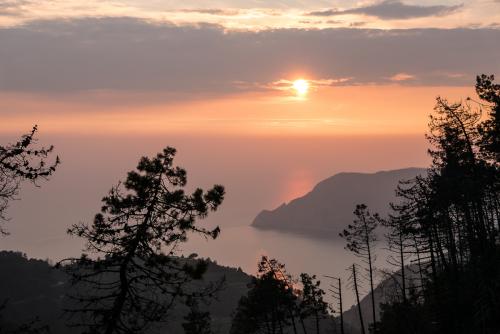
[328, 208]
[30, 289]
[34, 289]
[386, 291]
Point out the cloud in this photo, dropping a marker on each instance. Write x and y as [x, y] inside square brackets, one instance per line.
[13, 8]
[126, 54]
[287, 84]
[357, 24]
[392, 10]
[402, 77]
[213, 11]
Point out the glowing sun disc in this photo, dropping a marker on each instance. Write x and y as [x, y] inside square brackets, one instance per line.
[301, 86]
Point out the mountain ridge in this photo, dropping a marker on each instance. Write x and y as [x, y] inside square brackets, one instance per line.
[328, 207]
[33, 290]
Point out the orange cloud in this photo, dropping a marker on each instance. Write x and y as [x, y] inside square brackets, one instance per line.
[402, 77]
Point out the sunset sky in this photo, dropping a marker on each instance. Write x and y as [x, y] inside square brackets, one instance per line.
[229, 66]
[109, 81]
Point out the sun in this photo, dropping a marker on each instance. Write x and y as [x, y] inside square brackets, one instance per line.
[301, 86]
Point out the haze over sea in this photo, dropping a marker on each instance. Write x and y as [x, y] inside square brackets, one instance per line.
[267, 172]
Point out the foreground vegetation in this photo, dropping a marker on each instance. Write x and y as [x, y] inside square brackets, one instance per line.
[448, 224]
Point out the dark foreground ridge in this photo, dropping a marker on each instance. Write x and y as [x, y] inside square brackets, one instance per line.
[35, 292]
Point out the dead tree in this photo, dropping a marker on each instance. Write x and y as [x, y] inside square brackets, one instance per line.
[336, 291]
[361, 239]
[354, 280]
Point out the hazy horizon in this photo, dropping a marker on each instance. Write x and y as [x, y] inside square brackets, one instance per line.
[267, 172]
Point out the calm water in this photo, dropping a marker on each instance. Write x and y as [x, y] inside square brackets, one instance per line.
[243, 246]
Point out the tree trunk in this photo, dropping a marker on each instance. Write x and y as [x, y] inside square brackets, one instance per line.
[357, 299]
[371, 278]
[340, 307]
[402, 259]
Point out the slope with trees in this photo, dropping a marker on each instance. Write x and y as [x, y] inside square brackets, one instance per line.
[278, 303]
[38, 291]
[22, 161]
[452, 219]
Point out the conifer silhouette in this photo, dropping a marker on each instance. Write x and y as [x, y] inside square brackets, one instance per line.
[130, 278]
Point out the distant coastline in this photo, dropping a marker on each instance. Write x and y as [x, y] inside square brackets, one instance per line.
[327, 208]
